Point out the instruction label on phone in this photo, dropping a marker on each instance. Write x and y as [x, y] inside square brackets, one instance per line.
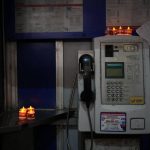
[113, 121]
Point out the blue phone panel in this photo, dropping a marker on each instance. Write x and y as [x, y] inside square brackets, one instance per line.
[36, 74]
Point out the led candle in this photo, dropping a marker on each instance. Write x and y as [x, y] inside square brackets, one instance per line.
[22, 113]
[120, 31]
[30, 113]
[108, 31]
[129, 31]
[114, 31]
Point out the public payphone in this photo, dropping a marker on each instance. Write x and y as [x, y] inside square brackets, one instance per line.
[121, 85]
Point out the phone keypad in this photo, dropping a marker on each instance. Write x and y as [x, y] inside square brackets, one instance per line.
[114, 91]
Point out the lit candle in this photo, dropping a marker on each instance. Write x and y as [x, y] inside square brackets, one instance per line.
[108, 31]
[120, 31]
[22, 113]
[31, 113]
[114, 31]
[129, 31]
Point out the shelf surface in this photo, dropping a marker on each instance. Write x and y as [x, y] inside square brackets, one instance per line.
[9, 121]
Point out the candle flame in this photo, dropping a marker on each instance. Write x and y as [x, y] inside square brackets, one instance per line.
[23, 109]
[113, 28]
[128, 28]
[31, 107]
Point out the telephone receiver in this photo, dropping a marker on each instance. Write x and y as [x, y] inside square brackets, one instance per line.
[86, 68]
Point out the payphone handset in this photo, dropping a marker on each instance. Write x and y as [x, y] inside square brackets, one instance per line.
[86, 63]
[86, 86]
[122, 83]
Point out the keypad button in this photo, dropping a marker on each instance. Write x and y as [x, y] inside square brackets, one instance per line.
[116, 99]
[108, 87]
[108, 91]
[108, 95]
[113, 99]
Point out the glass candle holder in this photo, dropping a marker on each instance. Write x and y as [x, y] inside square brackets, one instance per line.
[31, 113]
[129, 31]
[22, 113]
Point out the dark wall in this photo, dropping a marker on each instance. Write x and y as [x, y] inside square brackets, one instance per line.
[1, 63]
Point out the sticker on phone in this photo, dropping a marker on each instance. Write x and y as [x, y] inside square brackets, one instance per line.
[113, 121]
